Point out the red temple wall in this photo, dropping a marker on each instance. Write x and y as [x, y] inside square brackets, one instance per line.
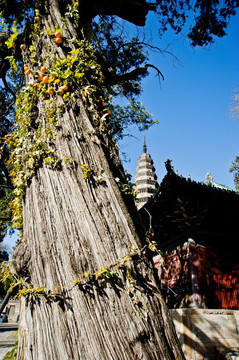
[217, 276]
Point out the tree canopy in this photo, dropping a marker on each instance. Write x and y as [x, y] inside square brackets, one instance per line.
[123, 60]
[202, 20]
[235, 170]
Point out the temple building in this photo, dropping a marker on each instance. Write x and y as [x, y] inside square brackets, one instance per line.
[195, 226]
[145, 179]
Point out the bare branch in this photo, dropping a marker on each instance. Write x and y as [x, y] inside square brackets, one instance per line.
[132, 75]
[157, 49]
[158, 71]
[8, 89]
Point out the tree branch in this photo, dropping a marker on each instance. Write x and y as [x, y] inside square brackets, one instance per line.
[134, 11]
[8, 218]
[153, 48]
[5, 52]
[8, 88]
[4, 64]
[132, 75]
[4, 169]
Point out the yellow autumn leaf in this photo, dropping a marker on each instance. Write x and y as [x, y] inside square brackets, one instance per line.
[99, 273]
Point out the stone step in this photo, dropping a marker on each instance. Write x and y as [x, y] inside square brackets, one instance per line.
[7, 342]
[8, 326]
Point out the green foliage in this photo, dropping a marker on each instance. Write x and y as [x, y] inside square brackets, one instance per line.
[118, 54]
[8, 282]
[127, 188]
[4, 286]
[107, 274]
[15, 11]
[28, 148]
[6, 278]
[235, 170]
[7, 108]
[132, 114]
[6, 196]
[12, 38]
[87, 171]
[6, 193]
[207, 18]
[7, 111]
[12, 354]
[31, 142]
[73, 11]
[6, 116]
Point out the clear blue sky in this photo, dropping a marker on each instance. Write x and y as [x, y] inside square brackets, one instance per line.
[193, 106]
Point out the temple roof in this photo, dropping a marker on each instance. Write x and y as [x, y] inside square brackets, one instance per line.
[181, 209]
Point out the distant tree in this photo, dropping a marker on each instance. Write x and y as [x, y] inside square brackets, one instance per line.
[235, 105]
[6, 187]
[88, 289]
[5, 285]
[235, 165]
[235, 170]
[7, 112]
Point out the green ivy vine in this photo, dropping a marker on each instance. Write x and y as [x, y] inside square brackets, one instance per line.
[56, 83]
[108, 273]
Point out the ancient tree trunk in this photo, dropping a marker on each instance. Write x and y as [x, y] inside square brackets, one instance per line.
[75, 225]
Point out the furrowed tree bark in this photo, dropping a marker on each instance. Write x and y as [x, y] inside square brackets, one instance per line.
[74, 225]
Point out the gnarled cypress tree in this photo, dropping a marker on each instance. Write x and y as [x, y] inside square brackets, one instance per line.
[88, 291]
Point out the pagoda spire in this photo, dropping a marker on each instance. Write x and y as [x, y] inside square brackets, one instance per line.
[145, 179]
[145, 147]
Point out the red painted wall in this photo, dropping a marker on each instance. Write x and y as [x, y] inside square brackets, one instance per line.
[217, 276]
[171, 271]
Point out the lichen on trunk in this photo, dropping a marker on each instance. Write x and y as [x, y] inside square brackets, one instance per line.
[90, 293]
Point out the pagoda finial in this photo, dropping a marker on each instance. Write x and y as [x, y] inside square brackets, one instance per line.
[145, 147]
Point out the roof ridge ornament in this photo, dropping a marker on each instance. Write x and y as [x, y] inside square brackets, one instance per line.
[169, 166]
[209, 178]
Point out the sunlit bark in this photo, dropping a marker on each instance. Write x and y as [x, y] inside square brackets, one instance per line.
[74, 225]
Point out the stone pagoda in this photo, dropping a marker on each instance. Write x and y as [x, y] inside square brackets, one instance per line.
[145, 179]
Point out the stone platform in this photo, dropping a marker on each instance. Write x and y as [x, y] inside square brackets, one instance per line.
[8, 337]
[208, 334]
